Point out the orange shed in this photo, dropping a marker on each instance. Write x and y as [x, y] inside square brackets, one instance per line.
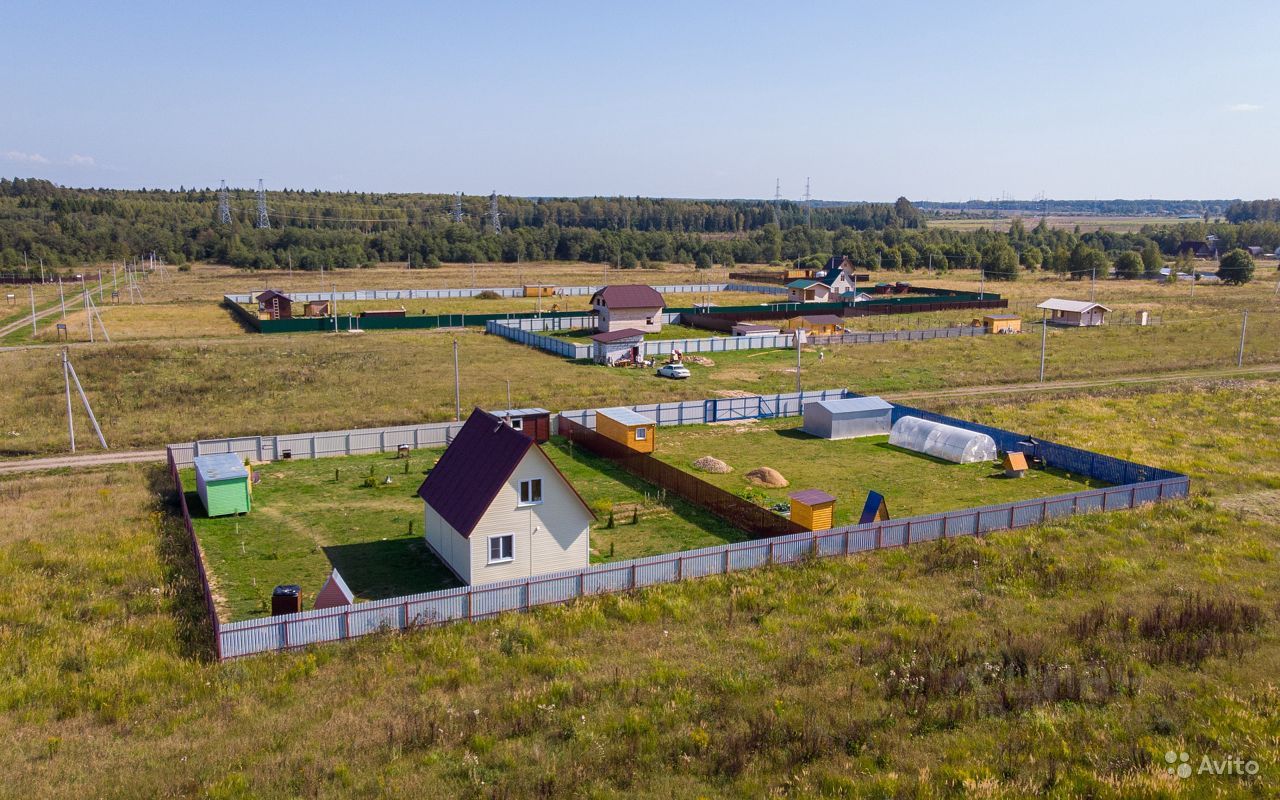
[813, 509]
[626, 427]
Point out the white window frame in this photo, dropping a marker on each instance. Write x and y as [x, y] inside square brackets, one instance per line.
[642, 433]
[532, 501]
[511, 549]
[516, 423]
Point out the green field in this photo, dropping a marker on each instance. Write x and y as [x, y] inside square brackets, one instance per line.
[310, 516]
[847, 469]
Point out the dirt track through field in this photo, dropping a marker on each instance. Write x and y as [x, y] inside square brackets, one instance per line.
[136, 456]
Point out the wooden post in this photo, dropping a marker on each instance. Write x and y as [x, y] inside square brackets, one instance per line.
[908, 532]
[879, 535]
[726, 561]
[467, 604]
[346, 624]
[679, 567]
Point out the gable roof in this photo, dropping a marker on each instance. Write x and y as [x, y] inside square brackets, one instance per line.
[625, 416]
[803, 283]
[270, 293]
[220, 467]
[614, 336]
[1078, 306]
[629, 295]
[475, 467]
[334, 593]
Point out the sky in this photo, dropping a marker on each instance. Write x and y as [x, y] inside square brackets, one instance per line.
[869, 100]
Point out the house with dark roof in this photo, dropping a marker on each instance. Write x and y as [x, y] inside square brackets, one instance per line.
[828, 285]
[628, 306]
[622, 346]
[496, 508]
[273, 304]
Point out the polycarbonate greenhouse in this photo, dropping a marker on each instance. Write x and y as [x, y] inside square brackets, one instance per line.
[942, 441]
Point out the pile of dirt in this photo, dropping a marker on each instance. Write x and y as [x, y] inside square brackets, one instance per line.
[767, 476]
[701, 361]
[712, 464]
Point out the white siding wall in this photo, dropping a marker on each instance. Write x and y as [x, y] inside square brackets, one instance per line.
[617, 319]
[447, 542]
[563, 538]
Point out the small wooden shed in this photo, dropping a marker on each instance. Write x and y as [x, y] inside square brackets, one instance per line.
[317, 308]
[222, 481]
[533, 422]
[816, 324]
[539, 290]
[626, 427]
[1074, 313]
[812, 509]
[1002, 323]
[273, 304]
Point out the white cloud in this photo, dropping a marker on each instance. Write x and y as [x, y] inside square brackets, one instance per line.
[78, 160]
[24, 158]
[1244, 107]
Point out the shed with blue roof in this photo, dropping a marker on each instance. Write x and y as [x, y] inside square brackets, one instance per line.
[222, 480]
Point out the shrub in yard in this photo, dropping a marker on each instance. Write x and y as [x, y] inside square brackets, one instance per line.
[489, 294]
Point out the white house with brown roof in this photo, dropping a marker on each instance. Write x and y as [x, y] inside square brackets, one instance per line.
[628, 306]
[1074, 313]
[497, 508]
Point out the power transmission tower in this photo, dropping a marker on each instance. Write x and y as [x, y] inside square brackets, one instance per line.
[263, 220]
[495, 216]
[777, 200]
[808, 205]
[69, 376]
[457, 207]
[224, 204]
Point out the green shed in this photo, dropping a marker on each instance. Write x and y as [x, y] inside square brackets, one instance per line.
[222, 481]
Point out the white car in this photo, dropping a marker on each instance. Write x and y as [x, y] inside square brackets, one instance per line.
[678, 371]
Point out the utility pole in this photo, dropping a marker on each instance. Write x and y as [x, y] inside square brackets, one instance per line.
[457, 389]
[1093, 283]
[1044, 337]
[224, 205]
[495, 216]
[1244, 326]
[62, 300]
[508, 395]
[66, 380]
[808, 205]
[32, 289]
[334, 295]
[797, 335]
[263, 220]
[457, 207]
[777, 201]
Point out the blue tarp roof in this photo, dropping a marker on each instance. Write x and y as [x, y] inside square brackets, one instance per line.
[221, 467]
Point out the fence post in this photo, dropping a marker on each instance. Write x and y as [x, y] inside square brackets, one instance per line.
[908, 532]
[679, 567]
[467, 596]
[582, 586]
[1011, 510]
[879, 535]
[1133, 495]
[726, 561]
[407, 624]
[346, 625]
[770, 559]
[633, 576]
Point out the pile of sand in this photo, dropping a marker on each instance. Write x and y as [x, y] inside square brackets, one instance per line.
[712, 464]
[701, 361]
[767, 476]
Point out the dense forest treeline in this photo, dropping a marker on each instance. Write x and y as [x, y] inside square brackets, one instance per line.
[62, 227]
[1114, 208]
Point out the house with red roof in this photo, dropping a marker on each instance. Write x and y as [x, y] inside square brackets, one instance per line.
[634, 306]
[497, 508]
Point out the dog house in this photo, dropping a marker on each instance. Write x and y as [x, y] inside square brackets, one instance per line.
[845, 419]
[533, 422]
[334, 593]
[626, 427]
[222, 481]
[812, 509]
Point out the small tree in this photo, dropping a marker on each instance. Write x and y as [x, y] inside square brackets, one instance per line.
[1000, 261]
[702, 260]
[1129, 265]
[1152, 260]
[1031, 257]
[1236, 267]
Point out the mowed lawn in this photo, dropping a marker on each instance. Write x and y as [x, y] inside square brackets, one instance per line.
[310, 516]
[911, 483]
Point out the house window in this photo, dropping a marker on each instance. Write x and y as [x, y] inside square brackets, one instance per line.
[641, 434]
[500, 548]
[531, 492]
[648, 320]
[516, 422]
